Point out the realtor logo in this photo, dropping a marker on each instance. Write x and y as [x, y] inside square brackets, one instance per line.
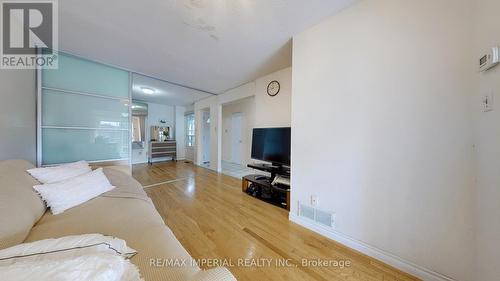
[28, 26]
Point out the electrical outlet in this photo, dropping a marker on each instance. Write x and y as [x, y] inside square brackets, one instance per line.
[314, 200]
[487, 102]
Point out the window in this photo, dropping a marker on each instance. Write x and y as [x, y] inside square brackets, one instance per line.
[190, 130]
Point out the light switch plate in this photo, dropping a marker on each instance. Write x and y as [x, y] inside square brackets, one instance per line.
[487, 102]
[314, 200]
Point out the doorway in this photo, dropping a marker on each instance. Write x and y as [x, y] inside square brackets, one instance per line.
[206, 138]
[236, 138]
[238, 119]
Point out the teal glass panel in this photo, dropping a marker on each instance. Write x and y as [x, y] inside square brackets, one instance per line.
[80, 75]
[63, 109]
[69, 145]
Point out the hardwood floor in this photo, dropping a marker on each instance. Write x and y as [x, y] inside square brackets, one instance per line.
[213, 219]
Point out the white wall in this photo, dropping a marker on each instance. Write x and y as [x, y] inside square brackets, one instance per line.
[382, 129]
[140, 155]
[180, 132]
[269, 111]
[488, 147]
[238, 93]
[189, 108]
[157, 112]
[18, 115]
[247, 109]
[274, 111]
[200, 106]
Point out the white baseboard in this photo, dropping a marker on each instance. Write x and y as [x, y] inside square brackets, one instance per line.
[161, 159]
[157, 160]
[390, 259]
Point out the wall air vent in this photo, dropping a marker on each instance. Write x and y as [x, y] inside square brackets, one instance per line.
[306, 211]
[326, 219]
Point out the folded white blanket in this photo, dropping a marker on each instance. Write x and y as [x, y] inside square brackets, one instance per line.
[79, 257]
[98, 266]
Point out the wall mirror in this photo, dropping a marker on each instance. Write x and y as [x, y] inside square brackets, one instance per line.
[139, 115]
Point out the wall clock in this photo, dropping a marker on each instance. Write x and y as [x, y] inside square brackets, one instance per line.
[273, 88]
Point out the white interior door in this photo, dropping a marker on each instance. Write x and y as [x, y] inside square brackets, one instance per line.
[236, 138]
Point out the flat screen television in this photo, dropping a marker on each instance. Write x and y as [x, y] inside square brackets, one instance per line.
[272, 145]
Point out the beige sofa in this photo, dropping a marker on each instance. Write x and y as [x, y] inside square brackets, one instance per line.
[125, 212]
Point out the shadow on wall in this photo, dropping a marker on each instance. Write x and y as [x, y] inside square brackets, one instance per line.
[281, 59]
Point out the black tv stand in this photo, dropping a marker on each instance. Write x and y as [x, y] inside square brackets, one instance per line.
[263, 189]
[278, 195]
[259, 178]
[274, 170]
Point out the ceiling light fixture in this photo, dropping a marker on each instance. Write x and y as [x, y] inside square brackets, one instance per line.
[147, 90]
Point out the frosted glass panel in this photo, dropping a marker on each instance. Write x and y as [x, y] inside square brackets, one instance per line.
[86, 127]
[81, 75]
[71, 110]
[67, 145]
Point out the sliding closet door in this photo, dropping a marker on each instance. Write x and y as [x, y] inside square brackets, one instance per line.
[84, 112]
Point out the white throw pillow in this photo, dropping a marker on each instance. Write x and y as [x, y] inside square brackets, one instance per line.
[61, 172]
[69, 193]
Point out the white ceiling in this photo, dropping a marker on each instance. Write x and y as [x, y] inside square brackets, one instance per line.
[212, 45]
[165, 93]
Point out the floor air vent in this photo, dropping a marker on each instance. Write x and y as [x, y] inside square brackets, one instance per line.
[321, 217]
